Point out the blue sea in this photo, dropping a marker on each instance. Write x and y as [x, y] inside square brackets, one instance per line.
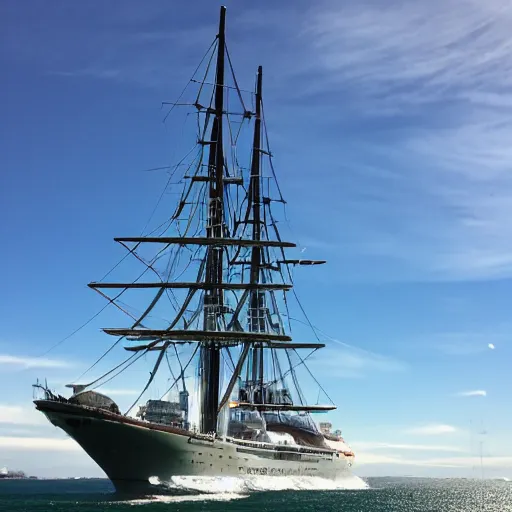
[373, 494]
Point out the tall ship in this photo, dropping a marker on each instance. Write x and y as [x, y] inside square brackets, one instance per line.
[216, 281]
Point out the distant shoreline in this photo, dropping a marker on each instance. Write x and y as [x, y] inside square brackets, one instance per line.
[8, 477]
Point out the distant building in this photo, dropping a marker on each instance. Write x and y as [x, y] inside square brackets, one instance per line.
[5, 473]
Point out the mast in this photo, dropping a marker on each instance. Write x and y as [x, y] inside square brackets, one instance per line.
[215, 331]
[213, 298]
[257, 300]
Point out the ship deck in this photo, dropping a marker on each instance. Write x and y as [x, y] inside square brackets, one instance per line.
[96, 413]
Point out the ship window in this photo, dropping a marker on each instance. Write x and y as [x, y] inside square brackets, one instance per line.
[220, 456]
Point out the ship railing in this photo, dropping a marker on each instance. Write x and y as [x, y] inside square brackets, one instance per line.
[279, 447]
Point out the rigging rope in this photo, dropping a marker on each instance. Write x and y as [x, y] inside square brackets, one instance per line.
[114, 369]
[169, 364]
[171, 175]
[151, 375]
[234, 79]
[294, 377]
[309, 371]
[181, 367]
[205, 75]
[100, 358]
[214, 43]
[75, 331]
[294, 366]
[184, 369]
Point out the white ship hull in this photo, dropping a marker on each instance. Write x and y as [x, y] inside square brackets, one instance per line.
[130, 453]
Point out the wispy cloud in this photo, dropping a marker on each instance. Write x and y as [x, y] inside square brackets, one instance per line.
[136, 57]
[31, 362]
[438, 72]
[17, 415]
[465, 343]
[444, 462]
[89, 72]
[369, 445]
[433, 430]
[477, 392]
[119, 392]
[340, 360]
[442, 70]
[38, 444]
[403, 60]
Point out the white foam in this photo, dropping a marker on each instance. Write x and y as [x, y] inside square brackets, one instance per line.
[205, 488]
[243, 485]
[181, 499]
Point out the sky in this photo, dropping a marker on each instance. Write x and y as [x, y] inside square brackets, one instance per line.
[390, 125]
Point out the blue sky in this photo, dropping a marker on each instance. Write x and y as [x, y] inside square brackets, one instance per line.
[390, 125]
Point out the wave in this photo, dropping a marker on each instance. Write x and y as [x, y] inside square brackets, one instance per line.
[245, 484]
[213, 488]
[181, 499]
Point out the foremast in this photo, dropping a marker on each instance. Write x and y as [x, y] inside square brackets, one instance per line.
[213, 299]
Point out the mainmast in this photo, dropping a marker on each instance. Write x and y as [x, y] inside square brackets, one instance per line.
[213, 297]
[257, 300]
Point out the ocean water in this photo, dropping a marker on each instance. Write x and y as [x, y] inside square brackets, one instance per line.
[261, 495]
